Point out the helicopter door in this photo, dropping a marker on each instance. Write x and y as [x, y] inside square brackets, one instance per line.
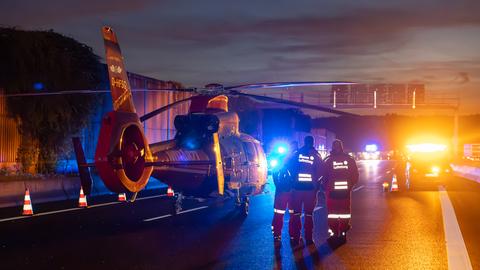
[252, 161]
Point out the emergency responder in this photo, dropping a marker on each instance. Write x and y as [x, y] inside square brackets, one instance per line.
[341, 174]
[306, 167]
[283, 188]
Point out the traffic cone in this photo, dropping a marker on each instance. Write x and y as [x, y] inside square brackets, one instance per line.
[27, 204]
[170, 192]
[122, 197]
[82, 200]
[394, 183]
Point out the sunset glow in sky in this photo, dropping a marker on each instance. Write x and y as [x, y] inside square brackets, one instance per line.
[197, 42]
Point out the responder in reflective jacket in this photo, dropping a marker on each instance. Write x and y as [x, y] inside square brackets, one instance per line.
[341, 174]
[306, 168]
[283, 194]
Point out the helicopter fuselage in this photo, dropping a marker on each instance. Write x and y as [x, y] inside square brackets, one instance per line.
[243, 158]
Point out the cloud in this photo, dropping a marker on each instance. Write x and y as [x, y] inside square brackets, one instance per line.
[462, 78]
[43, 13]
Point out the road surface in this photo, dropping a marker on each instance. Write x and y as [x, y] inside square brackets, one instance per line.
[400, 230]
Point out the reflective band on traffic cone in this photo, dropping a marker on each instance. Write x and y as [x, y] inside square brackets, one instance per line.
[394, 183]
[170, 192]
[122, 197]
[82, 200]
[27, 204]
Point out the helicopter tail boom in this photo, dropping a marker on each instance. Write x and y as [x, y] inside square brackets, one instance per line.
[122, 154]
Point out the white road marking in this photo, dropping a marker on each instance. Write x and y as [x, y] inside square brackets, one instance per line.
[358, 188]
[77, 208]
[151, 197]
[155, 218]
[193, 209]
[179, 213]
[57, 211]
[456, 250]
[13, 218]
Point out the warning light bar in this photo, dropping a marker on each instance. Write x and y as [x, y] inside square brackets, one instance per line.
[426, 147]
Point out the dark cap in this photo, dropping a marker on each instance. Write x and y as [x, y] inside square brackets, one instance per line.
[337, 146]
[308, 141]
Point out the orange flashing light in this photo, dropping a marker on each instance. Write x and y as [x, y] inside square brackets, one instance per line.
[426, 147]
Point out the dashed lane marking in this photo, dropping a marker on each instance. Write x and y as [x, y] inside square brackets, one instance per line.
[456, 250]
[75, 209]
[179, 213]
[358, 188]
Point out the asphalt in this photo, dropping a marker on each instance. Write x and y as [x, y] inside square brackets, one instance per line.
[391, 230]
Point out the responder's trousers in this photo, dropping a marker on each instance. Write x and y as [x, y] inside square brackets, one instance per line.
[280, 205]
[339, 213]
[307, 199]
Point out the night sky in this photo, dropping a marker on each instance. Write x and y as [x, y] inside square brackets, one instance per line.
[198, 42]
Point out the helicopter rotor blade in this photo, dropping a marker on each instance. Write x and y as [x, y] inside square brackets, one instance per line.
[162, 109]
[284, 84]
[72, 92]
[296, 104]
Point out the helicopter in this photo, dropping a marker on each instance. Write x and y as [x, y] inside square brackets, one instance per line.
[208, 155]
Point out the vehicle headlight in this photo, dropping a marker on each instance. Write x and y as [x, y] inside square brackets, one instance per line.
[435, 169]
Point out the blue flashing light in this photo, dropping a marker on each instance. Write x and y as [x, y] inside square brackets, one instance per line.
[280, 148]
[38, 86]
[190, 144]
[371, 148]
[273, 163]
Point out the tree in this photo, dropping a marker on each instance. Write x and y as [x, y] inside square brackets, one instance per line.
[45, 61]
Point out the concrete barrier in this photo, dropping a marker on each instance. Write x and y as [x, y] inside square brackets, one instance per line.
[466, 171]
[53, 189]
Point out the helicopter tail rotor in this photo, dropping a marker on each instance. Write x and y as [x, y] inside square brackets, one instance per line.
[122, 149]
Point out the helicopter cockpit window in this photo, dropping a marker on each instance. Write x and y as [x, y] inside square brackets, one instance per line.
[194, 131]
[250, 151]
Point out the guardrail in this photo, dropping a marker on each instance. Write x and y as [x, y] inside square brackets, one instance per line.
[467, 171]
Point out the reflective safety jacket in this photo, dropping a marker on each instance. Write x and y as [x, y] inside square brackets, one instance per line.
[306, 167]
[340, 175]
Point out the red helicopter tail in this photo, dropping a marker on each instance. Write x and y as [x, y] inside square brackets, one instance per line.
[122, 152]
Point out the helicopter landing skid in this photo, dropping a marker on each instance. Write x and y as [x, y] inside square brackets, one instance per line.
[242, 202]
[176, 203]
